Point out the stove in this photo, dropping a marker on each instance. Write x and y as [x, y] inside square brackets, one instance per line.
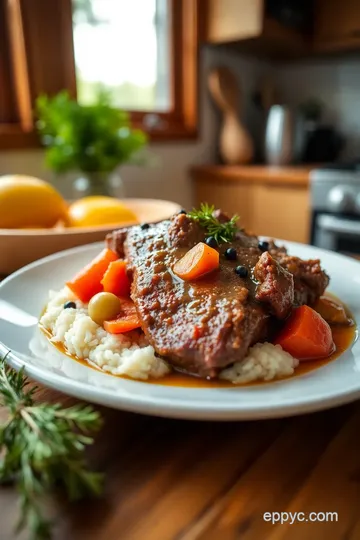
[349, 166]
[335, 201]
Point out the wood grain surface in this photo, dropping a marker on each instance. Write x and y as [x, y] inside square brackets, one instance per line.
[264, 174]
[180, 480]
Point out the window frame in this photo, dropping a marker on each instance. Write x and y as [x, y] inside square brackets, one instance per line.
[40, 58]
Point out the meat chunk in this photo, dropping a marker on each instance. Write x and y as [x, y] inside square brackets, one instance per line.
[276, 286]
[310, 281]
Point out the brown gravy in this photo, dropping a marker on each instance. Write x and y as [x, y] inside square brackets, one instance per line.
[343, 336]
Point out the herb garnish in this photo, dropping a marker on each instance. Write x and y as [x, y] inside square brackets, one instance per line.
[222, 232]
[42, 445]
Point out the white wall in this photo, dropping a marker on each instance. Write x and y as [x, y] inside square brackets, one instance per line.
[336, 81]
[170, 179]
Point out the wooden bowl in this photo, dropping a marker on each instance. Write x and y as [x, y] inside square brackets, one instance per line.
[19, 247]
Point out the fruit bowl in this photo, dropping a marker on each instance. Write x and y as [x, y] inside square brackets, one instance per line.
[19, 247]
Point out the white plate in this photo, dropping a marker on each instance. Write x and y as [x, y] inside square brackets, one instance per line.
[24, 294]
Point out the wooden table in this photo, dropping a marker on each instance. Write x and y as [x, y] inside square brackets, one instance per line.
[179, 480]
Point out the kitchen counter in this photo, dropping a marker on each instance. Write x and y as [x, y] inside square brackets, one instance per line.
[295, 175]
[271, 201]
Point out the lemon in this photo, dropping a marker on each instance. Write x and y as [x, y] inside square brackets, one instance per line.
[99, 211]
[27, 202]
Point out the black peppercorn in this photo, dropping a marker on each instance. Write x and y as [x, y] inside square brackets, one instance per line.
[144, 226]
[263, 245]
[211, 241]
[69, 304]
[231, 254]
[241, 271]
[183, 211]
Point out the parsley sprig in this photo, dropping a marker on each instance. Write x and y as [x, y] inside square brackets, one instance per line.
[42, 445]
[222, 232]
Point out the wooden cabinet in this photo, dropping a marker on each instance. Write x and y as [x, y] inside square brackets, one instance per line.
[337, 25]
[231, 20]
[278, 208]
[244, 22]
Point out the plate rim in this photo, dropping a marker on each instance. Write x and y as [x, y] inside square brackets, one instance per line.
[168, 408]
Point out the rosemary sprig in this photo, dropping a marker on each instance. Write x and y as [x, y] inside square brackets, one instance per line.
[42, 446]
[222, 232]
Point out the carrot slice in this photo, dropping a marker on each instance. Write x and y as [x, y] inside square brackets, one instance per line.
[115, 279]
[200, 260]
[306, 335]
[126, 320]
[87, 282]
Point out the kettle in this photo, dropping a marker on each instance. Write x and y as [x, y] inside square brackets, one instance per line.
[279, 136]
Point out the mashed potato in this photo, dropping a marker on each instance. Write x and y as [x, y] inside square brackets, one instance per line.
[123, 354]
[130, 354]
[263, 362]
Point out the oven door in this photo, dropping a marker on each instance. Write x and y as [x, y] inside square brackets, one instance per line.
[337, 234]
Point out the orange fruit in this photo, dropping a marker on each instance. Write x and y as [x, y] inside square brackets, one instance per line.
[27, 202]
[99, 211]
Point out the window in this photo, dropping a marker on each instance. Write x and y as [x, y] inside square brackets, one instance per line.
[142, 52]
[134, 67]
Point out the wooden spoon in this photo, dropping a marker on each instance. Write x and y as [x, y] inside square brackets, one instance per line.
[236, 146]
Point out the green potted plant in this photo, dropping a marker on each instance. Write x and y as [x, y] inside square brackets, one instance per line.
[91, 140]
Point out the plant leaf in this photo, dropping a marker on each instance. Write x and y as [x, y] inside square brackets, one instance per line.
[42, 446]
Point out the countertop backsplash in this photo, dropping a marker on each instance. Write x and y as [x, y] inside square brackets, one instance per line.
[336, 82]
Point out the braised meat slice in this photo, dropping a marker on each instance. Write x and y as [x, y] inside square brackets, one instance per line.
[199, 326]
[204, 325]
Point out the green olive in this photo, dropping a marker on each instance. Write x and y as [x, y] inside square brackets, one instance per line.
[104, 306]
